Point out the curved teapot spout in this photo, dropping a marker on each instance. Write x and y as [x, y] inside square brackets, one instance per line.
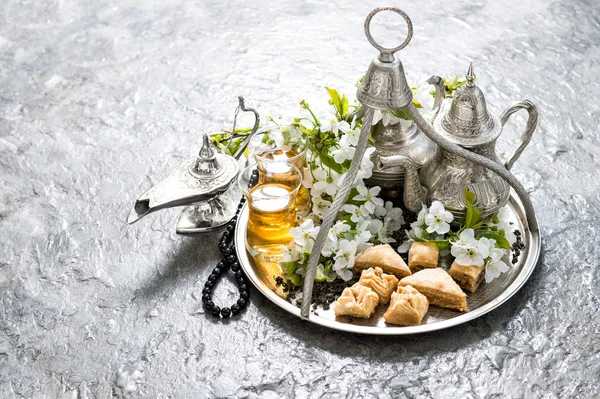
[414, 193]
[440, 93]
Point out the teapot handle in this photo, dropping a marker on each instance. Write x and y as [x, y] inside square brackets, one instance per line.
[532, 121]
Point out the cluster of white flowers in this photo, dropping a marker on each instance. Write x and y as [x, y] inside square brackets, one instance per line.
[433, 224]
[364, 220]
[469, 250]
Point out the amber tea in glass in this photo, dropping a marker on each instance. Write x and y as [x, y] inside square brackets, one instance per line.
[271, 189]
[294, 154]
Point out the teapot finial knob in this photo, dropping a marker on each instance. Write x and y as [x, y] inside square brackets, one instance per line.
[470, 75]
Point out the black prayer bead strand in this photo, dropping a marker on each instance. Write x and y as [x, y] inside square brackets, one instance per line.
[229, 261]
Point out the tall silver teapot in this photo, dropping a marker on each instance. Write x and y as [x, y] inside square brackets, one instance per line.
[402, 138]
[469, 125]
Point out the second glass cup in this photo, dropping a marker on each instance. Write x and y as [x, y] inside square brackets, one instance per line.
[271, 190]
[289, 148]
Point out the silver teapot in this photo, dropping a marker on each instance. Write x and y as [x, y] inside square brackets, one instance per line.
[469, 125]
[402, 139]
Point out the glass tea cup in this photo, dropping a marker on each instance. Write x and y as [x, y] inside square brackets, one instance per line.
[271, 189]
[290, 145]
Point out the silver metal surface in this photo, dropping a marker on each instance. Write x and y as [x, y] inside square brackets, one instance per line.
[92, 91]
[206, 216]
[195, 180]
[409, 141]
[485, 299]
[384, 85]
[199, 182]
[468, 158]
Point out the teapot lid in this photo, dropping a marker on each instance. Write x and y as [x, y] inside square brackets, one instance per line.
[468, 122]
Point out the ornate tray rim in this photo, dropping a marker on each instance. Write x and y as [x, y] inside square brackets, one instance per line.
[532, 254]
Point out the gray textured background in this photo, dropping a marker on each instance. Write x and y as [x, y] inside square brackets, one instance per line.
[100, 99]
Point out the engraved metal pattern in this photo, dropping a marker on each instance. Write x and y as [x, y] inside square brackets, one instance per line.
[485, 299]
[393, 140]
[400, 139]
[384, 86]
[181, 187]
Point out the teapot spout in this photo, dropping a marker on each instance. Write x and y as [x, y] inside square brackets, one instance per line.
[414, 193]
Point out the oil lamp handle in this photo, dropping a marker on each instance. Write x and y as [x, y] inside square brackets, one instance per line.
[242, 106]
[529, 128]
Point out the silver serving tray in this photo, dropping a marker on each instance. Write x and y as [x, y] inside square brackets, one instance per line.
[485, 299]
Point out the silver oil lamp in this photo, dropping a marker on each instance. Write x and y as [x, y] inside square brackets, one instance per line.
[469, 125]
[385, 88]
[198, 184]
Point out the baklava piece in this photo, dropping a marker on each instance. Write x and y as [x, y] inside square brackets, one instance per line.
[408, 307]
[423, 255]
[437, 285]
[468, 277]
[356, 301]
[382, 284]
[384, 257]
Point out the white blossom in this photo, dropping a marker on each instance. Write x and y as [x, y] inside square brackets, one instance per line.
[438, 219]
[468, 250]
[344, 151]
[344, 259]
[369, 195]
[495, 266]
[330, 123]
[305, 234]
[320, 206]
[393, 216]
[504, 215]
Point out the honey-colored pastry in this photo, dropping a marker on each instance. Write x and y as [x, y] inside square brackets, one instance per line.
[437, 285]
[423, 255]
[356, 301]
[382, 284]
[384, 257]
[407, 308]
[468, 277]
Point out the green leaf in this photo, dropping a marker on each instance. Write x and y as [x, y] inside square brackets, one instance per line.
[476, 216]
[321, 275]
[501, 241]
[330, 163]
[402, 113]
[336, 101]
[345, 106]
[469, 196]
[295, 279]
[288, 267]
[469, 215]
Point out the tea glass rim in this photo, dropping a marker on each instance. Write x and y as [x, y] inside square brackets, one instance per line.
[255, 165]
[305, 146]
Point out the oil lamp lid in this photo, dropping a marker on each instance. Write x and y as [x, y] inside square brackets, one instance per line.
[468, 121]
[213, 169]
